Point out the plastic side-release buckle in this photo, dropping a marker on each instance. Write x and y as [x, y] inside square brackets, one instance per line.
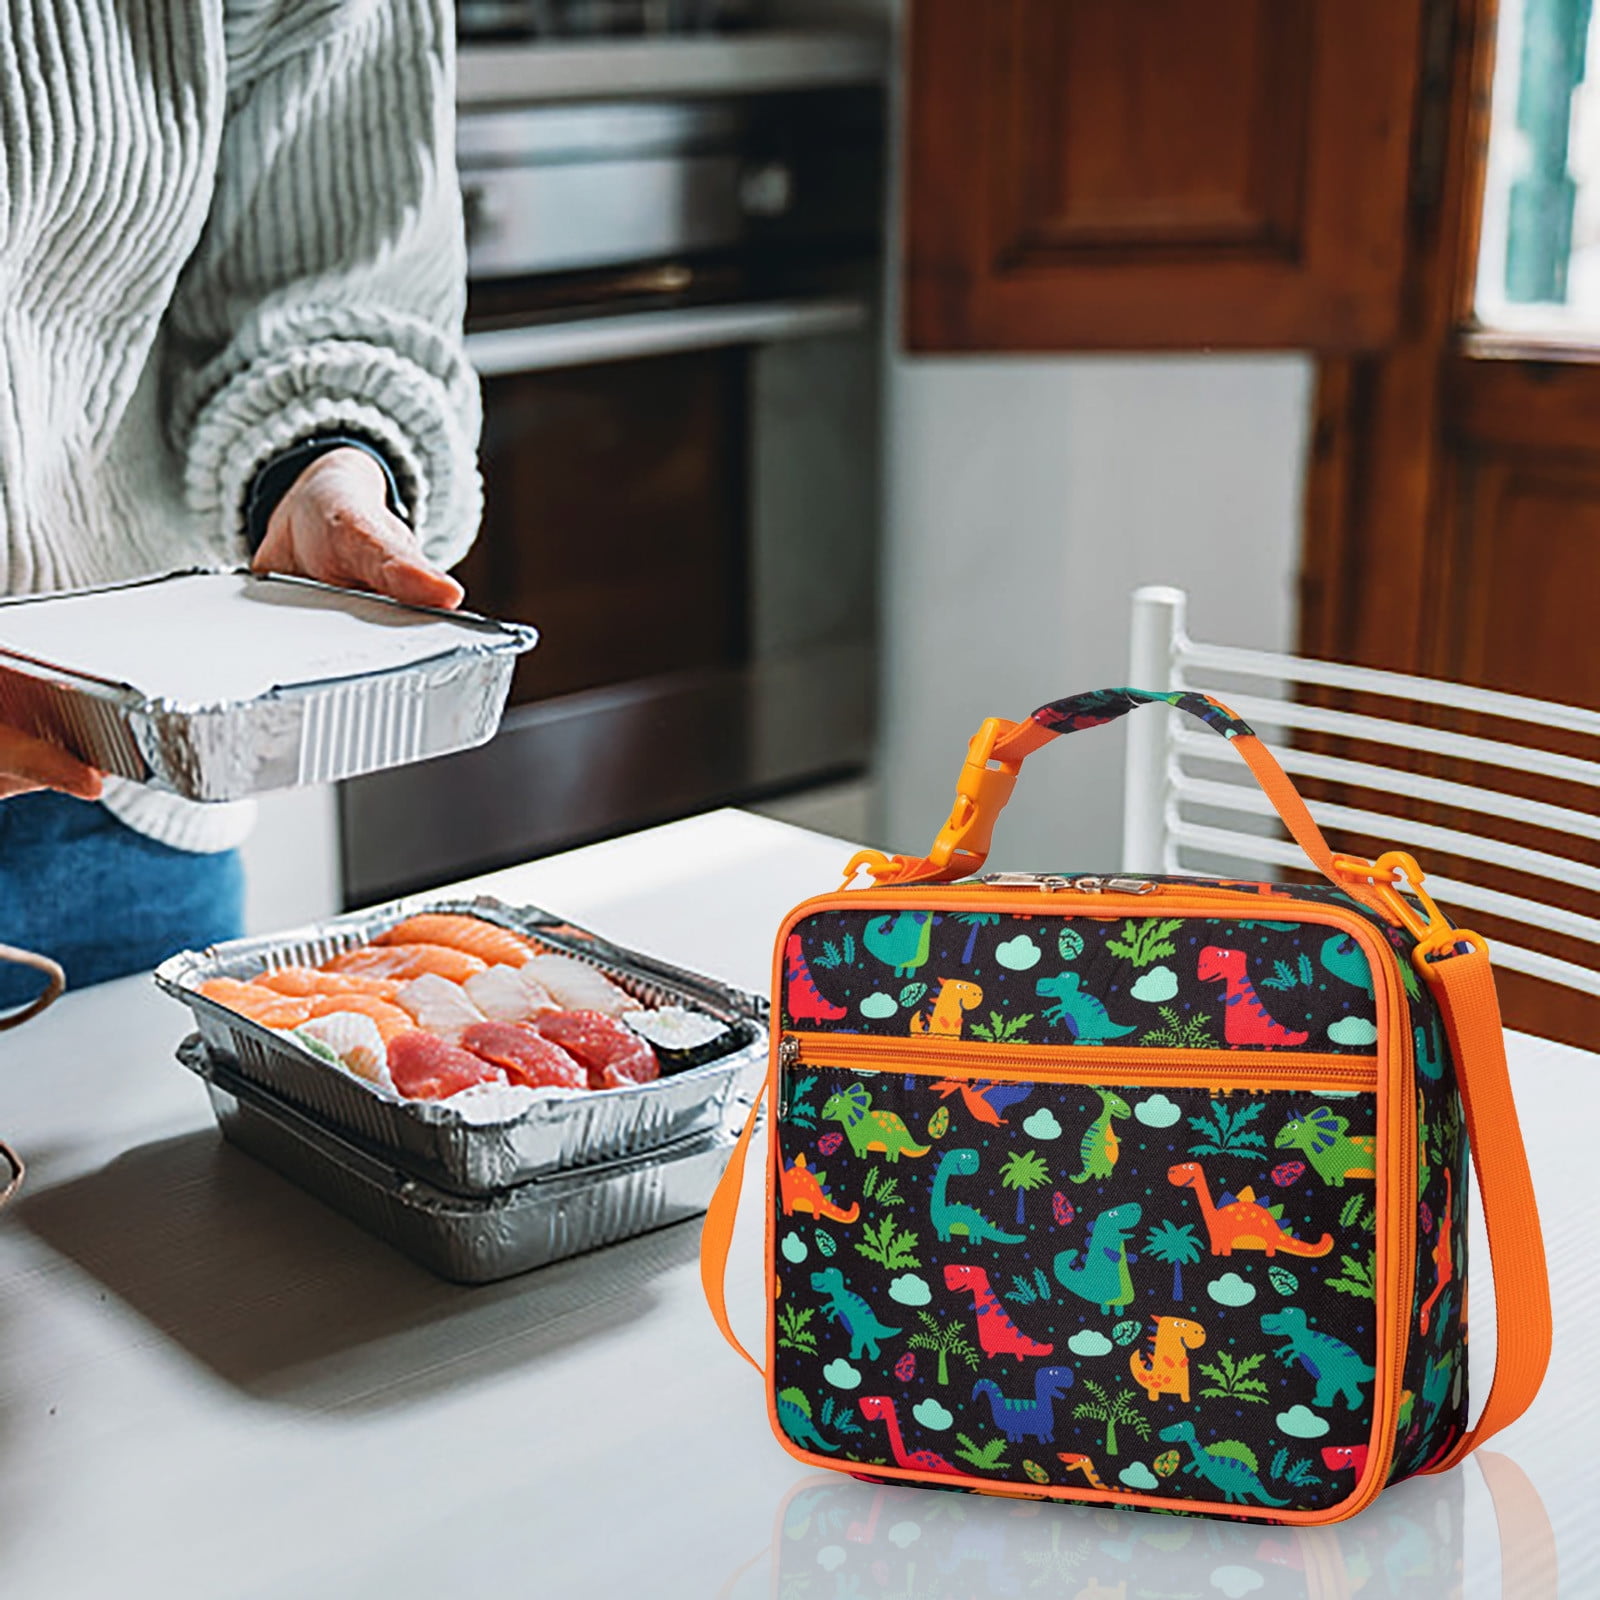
[1396, 876]
[983, 787]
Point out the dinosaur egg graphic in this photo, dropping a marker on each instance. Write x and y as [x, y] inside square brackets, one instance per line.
[912, 994]
[1166, 1463]
[1061, 1209]
[1289, 1172]
[828, 1143]
[1036, 1472]
[905, 1369]
[1425, 1217]
[1282, 1279]
[939, 1123]
[1127, 1332]
[1070, 944]
[825, 1242]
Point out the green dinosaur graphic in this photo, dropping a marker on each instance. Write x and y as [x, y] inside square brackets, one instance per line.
[951, 1217]
[1099, 1147]
[1228, 1466]
[900, 941]
[1339, 1371]
[1102, 1276]
[794, 1417]
[869, 1130]
[1336, 1153]
[847, 1308]
[1086, 1018]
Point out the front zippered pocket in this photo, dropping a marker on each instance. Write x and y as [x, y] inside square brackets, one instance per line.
[1134, 1275]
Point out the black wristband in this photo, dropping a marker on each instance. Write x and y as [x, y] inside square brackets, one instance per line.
[275, 479]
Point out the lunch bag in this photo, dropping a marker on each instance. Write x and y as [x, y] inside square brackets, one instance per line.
[1134, 1190]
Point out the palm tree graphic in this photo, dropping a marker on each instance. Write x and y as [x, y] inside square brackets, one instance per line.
[1178, 1247]
[1112, 1409]
[974, 920]
[1023, 1170]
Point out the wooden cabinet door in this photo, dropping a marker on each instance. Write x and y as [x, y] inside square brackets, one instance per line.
[1453, 523]
[1147, 174]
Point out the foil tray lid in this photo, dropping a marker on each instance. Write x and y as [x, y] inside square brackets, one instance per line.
[204, 641]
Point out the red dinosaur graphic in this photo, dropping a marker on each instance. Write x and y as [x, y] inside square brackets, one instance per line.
[1245, 1019]
[805, 1001]
[1443, 1257]
[998, 1335]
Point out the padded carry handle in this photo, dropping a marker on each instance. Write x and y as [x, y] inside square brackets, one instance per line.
[994, 762]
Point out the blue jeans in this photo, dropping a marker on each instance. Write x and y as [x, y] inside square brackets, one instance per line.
[79, 886]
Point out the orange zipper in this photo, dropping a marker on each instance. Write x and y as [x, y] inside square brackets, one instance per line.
[1182, 1069]
[1397, 1243]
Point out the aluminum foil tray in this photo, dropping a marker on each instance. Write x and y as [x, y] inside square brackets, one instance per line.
[433, 1140]
[468, 1240]
[275, 728]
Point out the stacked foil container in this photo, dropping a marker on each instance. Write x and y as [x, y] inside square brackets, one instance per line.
[477, 1197]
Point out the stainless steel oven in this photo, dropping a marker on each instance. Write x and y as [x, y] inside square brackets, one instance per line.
[672, 309]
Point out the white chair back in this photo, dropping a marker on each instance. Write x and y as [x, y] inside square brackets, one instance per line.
[1185, 803]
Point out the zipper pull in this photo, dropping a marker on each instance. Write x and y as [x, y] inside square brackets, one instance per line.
[788, 1060]
[1093, 885]
[1044, 882]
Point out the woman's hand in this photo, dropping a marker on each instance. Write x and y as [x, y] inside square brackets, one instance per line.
[335, 525]
[27, 763]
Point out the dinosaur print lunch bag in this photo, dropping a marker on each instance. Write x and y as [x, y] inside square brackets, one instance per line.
[1134, 1191]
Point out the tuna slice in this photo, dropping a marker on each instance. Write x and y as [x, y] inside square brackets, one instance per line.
[526, 1056]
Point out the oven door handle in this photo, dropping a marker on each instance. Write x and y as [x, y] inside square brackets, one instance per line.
[499, 352]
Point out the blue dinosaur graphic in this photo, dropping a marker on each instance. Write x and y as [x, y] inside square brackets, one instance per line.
[1023, 1419]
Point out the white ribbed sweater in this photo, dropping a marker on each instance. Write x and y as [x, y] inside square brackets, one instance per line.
[225, 225]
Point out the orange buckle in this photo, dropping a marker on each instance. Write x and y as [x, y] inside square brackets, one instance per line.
[982, 789]
[1394, 875]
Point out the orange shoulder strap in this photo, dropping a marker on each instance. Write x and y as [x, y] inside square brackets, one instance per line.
[1464, 986]
[716, 1237]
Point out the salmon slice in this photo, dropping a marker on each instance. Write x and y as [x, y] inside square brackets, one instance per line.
[490, 943]
[270, 1009]
[424, 1067]
[391, 1020]
[406, 961]
[309, 981]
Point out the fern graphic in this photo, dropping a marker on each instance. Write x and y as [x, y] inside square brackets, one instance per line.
[1231, 1380]
[1357, 1277]
[1179, 1032]
[1226, 1133]
[882, 1188]
[1300, 976]
[792, 1331]
[986, 1458]
[998, 1028]
[1146, 941]
[801, 1113]
[887, 1247]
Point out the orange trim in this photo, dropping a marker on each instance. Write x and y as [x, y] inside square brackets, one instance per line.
[1464, 986]
[716, 1236]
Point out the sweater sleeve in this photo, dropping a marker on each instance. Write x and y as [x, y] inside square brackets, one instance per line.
[326, 293]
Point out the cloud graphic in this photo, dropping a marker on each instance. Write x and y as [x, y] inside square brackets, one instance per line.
[1157, 1112]
[843, 1376]
[1301, 1422]
[879, 1005]
[1158, 984]
[1353, 1030]
[1089, 1343]
[1236, 1582]
[794, 1248]
[910, 1290]
[1042, 1125]
[1018, 954]
[831, 1556]
[932, 1415]
[1139, 1476]
[904, 1534]
[1231, 1290]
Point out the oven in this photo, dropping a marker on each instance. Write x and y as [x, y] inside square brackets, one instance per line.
[672, 308]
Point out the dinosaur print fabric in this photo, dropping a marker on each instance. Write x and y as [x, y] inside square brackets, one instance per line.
[1195, 982]
[1111, 1286]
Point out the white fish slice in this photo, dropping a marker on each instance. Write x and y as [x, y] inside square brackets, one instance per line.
[439, 1006]
[579, 987]
[354, 1039]
[508, 994]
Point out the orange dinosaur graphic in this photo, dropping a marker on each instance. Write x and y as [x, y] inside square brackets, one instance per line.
[1443, 1256]
[1166, 1369]
[800, 1189]
[1241, 1222]
[1074, 1462]
[956, 997]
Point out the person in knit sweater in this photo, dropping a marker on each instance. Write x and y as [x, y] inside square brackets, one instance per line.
[232, 280]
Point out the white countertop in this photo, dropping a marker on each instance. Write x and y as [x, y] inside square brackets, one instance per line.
[212, 1386]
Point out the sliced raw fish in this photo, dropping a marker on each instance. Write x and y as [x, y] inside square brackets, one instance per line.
[388, 1017]
[488, 941]
[266, 1006]
[439, 1006]
[611, 1054]
[509, 994]
[406, 961]
[425, 1067]
[355, 1042]
[527, 1056]
[579, 987]
[302, 981]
